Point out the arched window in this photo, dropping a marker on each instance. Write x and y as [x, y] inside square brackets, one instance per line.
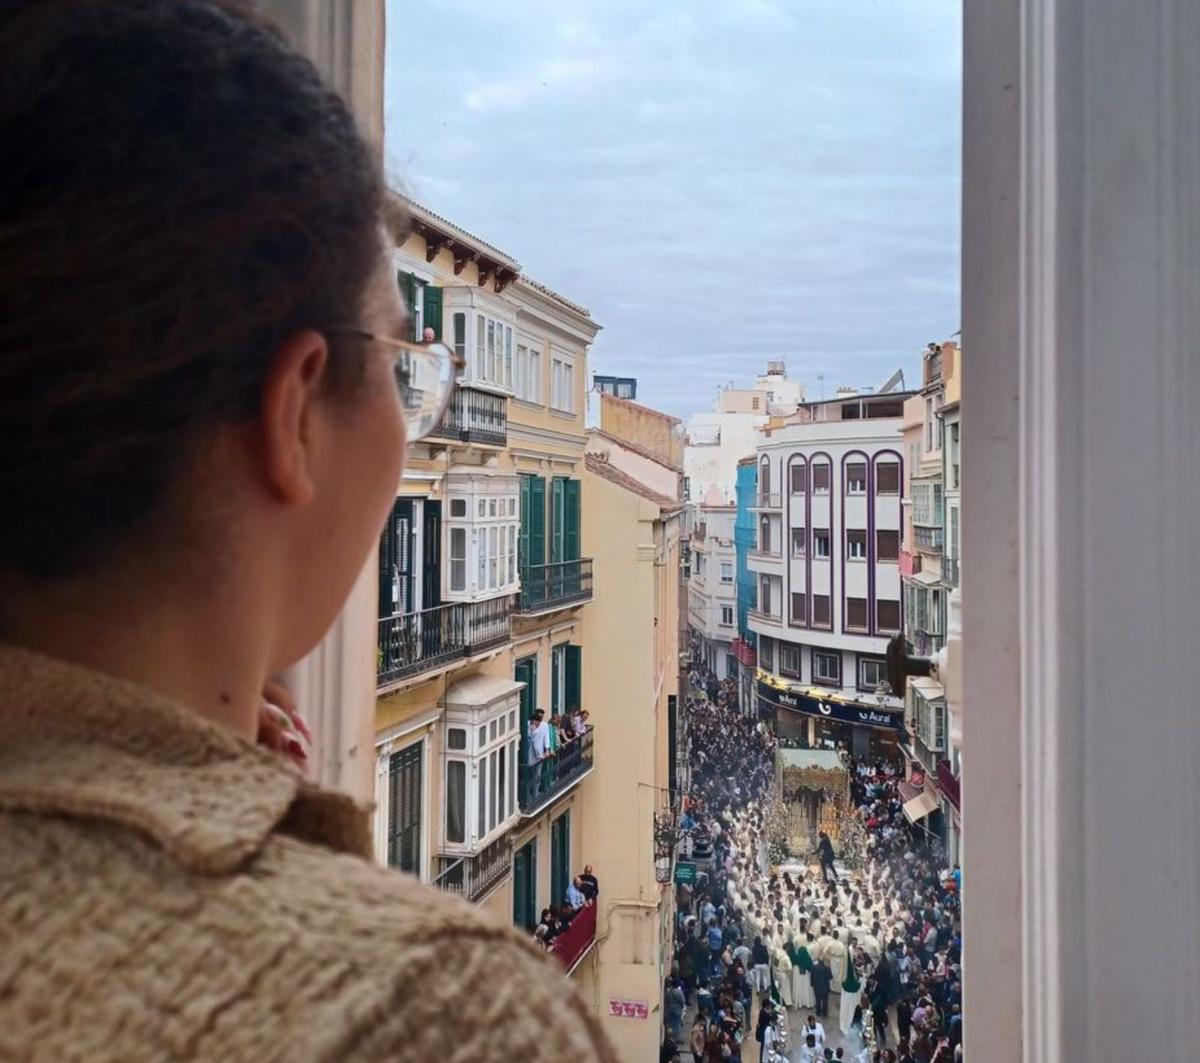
[764, 476]
[764, 534]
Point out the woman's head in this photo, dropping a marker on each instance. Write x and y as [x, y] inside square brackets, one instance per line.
[186, 213]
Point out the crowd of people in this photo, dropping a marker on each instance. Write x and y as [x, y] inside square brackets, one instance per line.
[784, 937]
[553, 749]
[582, 892]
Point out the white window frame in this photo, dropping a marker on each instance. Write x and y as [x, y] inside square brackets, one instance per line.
[492, 524]
[818, 536]
[788, 650]
[726, 571]
[856, 487]
[817, 674]
[562, 384]
[727, 616]
[490, 730]
[880, 668]
[853, 545]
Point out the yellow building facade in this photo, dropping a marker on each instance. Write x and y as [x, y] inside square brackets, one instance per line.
[482, 593]
[632, 530]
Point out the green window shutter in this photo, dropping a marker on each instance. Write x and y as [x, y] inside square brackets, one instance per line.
[574, 680]
[537, 521]
[571, 520]
[387, 563]
[408, 289]
[560, 858]
[558, 523]
[433, 310]
[525, 671]
[523, 536]
[555, 676]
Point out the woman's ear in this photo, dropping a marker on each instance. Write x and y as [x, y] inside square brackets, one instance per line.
[292, 389]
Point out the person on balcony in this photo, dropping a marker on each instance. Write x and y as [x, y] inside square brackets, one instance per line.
[589, 883]
[207, 396]
[539, 748]
[576, 898]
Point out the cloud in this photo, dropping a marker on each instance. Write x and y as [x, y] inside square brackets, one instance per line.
[722, 184]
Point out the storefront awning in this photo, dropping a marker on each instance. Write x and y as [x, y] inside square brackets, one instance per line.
[920, 806]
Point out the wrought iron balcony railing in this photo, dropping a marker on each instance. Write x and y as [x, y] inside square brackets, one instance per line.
[410, 643]
[542, 782]
[475, 416]
[556, 584]
[473, 877]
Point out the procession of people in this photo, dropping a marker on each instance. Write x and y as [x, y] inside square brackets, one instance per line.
[805, 957]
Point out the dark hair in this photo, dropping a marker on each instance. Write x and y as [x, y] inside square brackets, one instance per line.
[179, 192]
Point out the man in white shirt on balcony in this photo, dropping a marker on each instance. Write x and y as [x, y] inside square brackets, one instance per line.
[539, 748]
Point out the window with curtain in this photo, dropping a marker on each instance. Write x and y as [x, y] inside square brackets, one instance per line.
[456, 801]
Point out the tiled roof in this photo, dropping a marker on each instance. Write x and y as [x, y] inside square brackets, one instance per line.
[550, 293]
[603, 469]
[413, 205]
[636, 448]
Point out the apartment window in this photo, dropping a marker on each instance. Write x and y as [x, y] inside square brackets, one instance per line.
[798, 537]
[789, 660]
[560, 858]
[929, 423]
[856, 545]
[799, 608]
[460, 336]
[687, 488]
[528, 382]
[493, 352]
[458, 559]
[562, 385]
[887, 478]
[799, 475]
[488, 743]
[483, 526]
[820, 479]
[764, 535]
[953, 546]
[887, 545]
[856, 614]
[820, 611]
[727, 616]
[820, 544]
[872, 673]
[405, 796]
[764, 476]
[524, 876]
[726, 571]
[764, 595]
[856, 478]
[827, 668]
[954, 461]
[887, 615]
[766, 653]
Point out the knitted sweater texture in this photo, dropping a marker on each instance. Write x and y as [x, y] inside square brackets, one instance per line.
[171, 892]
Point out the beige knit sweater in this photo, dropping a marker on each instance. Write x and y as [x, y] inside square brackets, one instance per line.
[170, 892]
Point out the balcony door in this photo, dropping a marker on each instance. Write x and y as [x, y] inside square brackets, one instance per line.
[396, 561]
[431, 555]
[525, 911]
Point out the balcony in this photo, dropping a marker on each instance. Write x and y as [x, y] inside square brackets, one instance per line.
[474, 416]
[950, 571]
[767, 501]
[474, 877]
[553, 586]
[927, 538]
[541, 783]
[570, 947]
[926, 643]
[411, 643]
[948, 783]
[764, 618]
[764, 554]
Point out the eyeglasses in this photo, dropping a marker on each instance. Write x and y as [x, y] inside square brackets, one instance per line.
[425, 377]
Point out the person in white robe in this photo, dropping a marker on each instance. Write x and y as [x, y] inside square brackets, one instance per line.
[783, 975]
[835, 956]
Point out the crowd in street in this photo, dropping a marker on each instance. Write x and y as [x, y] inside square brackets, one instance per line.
[762, 944]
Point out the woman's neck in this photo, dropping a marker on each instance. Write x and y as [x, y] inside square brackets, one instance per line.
[197, 649]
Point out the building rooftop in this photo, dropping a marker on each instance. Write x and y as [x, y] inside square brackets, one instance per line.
[604, 470]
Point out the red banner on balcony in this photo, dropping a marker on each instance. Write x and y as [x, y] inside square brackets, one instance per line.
[573, 942]
[745, 653]
[906, 563]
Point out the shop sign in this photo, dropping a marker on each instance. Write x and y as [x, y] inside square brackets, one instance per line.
[628, 1009]
[685, 873]
[843, 712]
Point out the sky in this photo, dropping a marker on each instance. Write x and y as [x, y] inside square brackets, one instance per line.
[720, 183]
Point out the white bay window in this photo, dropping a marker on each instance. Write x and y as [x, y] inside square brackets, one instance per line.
[482, 528]
[482, 743]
